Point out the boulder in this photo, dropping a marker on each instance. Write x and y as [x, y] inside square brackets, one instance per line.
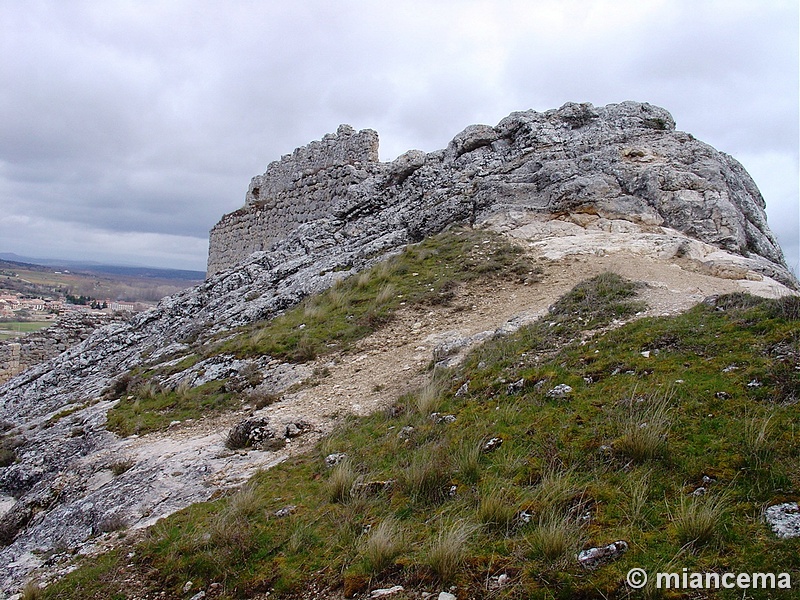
[784, 519]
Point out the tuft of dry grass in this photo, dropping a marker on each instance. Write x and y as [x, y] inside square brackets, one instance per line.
[556, 490]
[31, 591]
[341, 480]
[427, 479]
[429, 397]
[243, 504]
[385, 543]
[386, 294]
[757, 446]
[555, 539]
[445, 555]
[301, 536]
[644, 431]
[184, 389]
[638, 494]
[148, 390]
[466, 460]
[698, 520]
[496, 511]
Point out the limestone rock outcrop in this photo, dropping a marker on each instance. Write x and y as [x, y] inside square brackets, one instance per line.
[618, 162]
[325, 212]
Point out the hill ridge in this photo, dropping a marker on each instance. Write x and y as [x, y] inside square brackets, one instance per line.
[618, 162]
[64, 403]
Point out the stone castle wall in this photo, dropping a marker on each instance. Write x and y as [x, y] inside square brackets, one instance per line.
[301, 187]
[35, 348]
[9, 360]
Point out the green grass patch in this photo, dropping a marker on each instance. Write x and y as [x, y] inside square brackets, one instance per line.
[427, 273]
[152, 409]
[14, 329]
[718, 385]
[24, 326]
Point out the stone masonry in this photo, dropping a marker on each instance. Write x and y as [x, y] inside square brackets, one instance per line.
[301, 187]
[35, 348]
[9, 360]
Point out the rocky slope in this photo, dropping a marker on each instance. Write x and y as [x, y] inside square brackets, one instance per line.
[581, 187]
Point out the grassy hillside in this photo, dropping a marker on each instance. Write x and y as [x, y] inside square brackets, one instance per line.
[515, 475]
[425, 274]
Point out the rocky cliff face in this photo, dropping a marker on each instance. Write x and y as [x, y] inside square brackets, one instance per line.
[623, 161]
[619, 176]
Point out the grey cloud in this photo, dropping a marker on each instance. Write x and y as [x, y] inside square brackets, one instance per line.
[148, 119]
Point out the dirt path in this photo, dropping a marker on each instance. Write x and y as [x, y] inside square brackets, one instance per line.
[189, 462]
[393, 360]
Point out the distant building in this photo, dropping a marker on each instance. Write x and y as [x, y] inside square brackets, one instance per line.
[36, 304]
[119, 306]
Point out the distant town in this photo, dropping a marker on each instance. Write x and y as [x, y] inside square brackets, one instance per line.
[32, 297]
[15, 306]
[20, 315]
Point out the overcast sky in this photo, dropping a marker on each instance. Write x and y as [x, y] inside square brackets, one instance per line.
[129, 128]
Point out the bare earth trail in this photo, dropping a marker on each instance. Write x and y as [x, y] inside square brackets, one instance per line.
[192, 463]
[393, 360]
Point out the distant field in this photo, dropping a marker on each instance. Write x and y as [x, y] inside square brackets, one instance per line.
[46, 282]
[17, 328]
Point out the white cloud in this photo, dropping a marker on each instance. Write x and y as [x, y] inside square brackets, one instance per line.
[779, 181]
[45, 238]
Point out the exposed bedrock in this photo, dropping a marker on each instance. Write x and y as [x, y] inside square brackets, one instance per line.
[623, 161]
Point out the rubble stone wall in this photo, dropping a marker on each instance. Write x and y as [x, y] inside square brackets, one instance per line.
[9, 360]
[301, 187]
[40, 346]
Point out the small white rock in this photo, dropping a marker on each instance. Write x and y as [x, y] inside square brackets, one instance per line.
[784, 519]
[562, 390]
[383, 592]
